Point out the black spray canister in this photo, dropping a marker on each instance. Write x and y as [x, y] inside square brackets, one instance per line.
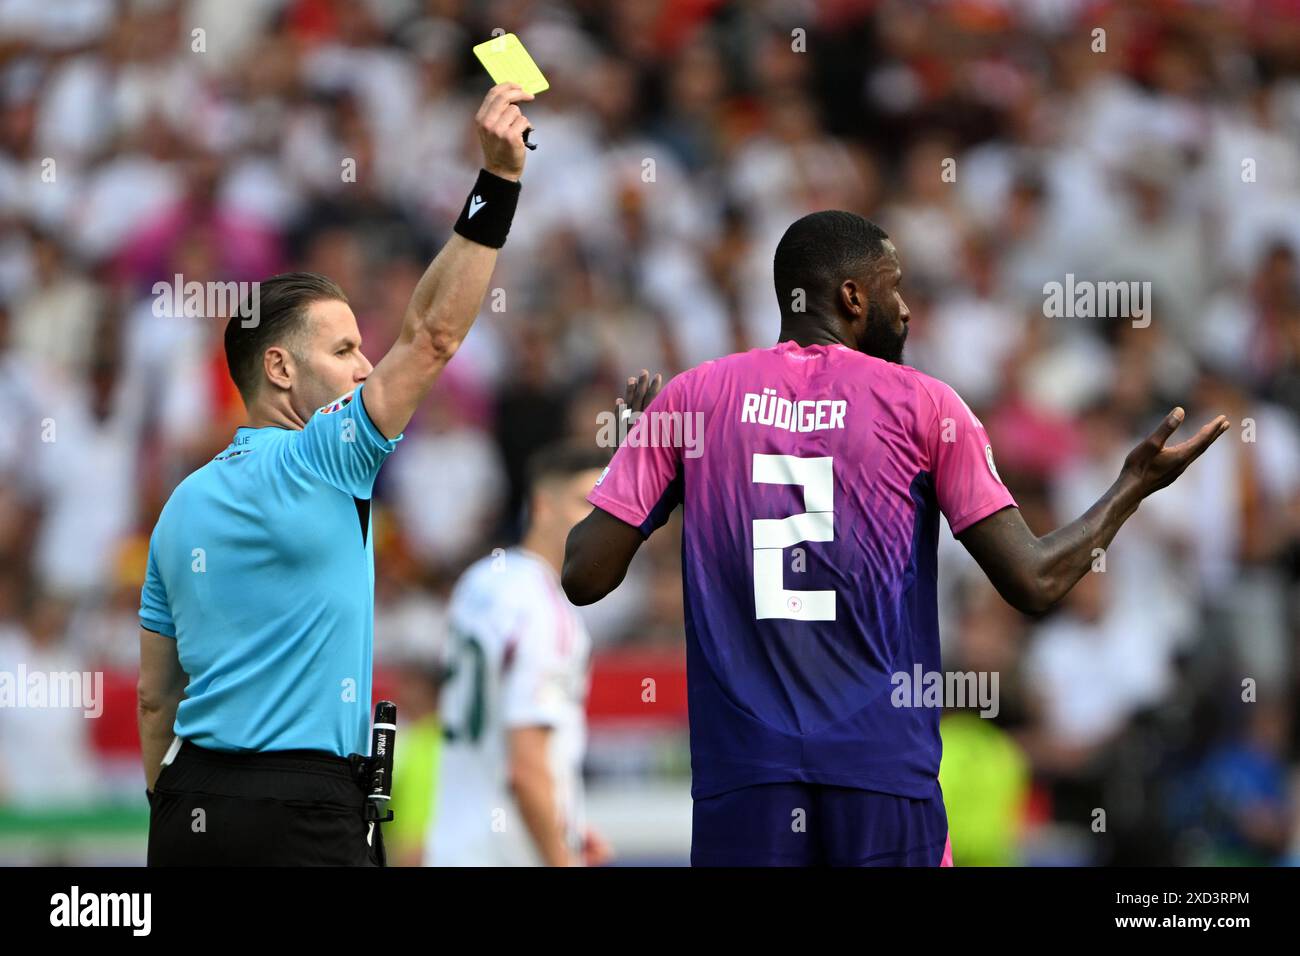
[383, 735]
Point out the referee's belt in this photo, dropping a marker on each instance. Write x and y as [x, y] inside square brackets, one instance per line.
[354, 766]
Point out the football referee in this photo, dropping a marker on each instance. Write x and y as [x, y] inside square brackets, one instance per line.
[257, 610]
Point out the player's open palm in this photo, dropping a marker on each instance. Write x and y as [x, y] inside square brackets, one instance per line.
[501, 126]
[640, 392]
[1153, 464]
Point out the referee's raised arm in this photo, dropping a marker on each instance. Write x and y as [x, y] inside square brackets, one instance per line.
[449, 294]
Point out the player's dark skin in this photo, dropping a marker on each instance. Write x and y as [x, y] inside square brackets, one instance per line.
[867, 313]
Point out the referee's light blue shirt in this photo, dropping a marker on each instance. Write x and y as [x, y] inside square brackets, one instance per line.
[262, 568]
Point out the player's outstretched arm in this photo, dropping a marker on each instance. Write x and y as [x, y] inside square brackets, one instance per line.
[1033, 573]
[450, 293]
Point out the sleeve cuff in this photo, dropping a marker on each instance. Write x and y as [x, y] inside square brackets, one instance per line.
[517, 721]
[373, 434]
[980, 512]
[619, 511]
[165, 628]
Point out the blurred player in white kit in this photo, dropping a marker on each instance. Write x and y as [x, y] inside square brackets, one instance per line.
[513, 704]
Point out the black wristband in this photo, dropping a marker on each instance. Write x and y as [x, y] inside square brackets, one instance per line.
[488, 210]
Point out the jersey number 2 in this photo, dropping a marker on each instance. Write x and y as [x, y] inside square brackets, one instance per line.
[773, 535]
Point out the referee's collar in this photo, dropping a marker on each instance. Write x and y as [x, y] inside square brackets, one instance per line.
[247, 437]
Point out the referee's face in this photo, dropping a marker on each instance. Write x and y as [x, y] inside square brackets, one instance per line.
[333, 360]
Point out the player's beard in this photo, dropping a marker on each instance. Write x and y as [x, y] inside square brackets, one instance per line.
[879, 338]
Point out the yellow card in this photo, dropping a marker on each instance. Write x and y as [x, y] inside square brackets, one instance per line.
[507, 61]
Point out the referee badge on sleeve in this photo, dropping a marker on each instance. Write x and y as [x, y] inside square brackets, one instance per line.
[339, 403]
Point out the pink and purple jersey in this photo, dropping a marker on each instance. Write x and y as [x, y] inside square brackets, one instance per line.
[812, 480]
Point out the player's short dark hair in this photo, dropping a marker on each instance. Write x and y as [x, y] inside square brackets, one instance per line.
[820, 251]
[563, 460]
[281, 314]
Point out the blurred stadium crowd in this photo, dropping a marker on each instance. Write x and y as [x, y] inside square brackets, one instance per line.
[678, 140]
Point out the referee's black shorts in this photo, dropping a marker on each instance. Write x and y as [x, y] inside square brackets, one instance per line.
[279, 808]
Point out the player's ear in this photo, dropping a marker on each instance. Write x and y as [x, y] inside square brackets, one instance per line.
[853, 298]
[276, 362]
